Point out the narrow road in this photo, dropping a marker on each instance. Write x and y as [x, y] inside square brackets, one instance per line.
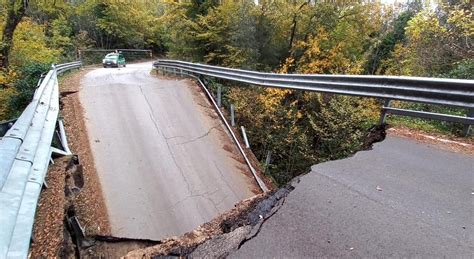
[403, 199]
[165, 161]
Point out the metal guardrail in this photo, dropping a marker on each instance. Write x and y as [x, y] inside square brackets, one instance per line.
[25, 152]
[451, 92]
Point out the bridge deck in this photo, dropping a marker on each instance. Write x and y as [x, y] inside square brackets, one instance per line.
[165, 162]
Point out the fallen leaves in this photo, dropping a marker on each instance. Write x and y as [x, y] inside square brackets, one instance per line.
[49, 225]
[89, 203]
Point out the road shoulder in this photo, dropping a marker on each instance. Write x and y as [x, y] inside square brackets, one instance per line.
[464, 145]
[72, 184]
[90, 205]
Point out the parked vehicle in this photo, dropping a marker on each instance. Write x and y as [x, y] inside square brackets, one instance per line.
[114, 60]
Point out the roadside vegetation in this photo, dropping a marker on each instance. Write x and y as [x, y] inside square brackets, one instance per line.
[418, 38]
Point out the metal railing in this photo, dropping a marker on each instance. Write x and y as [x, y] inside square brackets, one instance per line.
[452, 92]
[25, 152]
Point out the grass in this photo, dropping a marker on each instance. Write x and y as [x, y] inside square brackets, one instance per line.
[425, 125]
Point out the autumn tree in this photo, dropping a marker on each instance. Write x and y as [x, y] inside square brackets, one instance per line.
[437, 43]
[15, 11]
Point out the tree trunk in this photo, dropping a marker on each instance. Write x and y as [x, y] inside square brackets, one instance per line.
[293, 26]
[16, 11]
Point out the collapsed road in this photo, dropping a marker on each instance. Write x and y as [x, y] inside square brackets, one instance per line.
[402, 199]
[164, 160]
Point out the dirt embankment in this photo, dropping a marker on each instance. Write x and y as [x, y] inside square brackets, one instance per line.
[90, 205]
[48, 230]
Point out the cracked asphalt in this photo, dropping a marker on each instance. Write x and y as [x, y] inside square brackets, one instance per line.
[159, 155]
[403, 199]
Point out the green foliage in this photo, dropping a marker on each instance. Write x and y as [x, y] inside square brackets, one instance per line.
[340, 125]
[30, 44]
[7, 91]
[130, 25]
[227, 35]
[61, 38]
[462, 70]
[301, 129]
[6, 94]
[436, 42]
[25, 87]
[179, 33]
[200, 7]
[382, 49]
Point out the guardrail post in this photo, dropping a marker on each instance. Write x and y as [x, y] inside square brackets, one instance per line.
[219, 96]
[383, 115]
[40, 80]
[232, 115]
[62, 137]
[467, 127]
[268, 159]
[247, 145]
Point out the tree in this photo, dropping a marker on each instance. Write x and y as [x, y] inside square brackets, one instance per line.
[227, 35]
[30, 45]
[383, 49]
[436, 42]
[15, 12]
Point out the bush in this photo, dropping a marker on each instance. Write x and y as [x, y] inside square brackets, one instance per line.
[6, 94]
[7, 91]
[25, 87]
[462, 70]
[301, 129]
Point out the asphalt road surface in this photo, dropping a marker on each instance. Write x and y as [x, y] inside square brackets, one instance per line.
[402, 199]
[159, 152]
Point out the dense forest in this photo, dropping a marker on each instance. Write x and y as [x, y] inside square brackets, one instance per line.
[415, 38]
